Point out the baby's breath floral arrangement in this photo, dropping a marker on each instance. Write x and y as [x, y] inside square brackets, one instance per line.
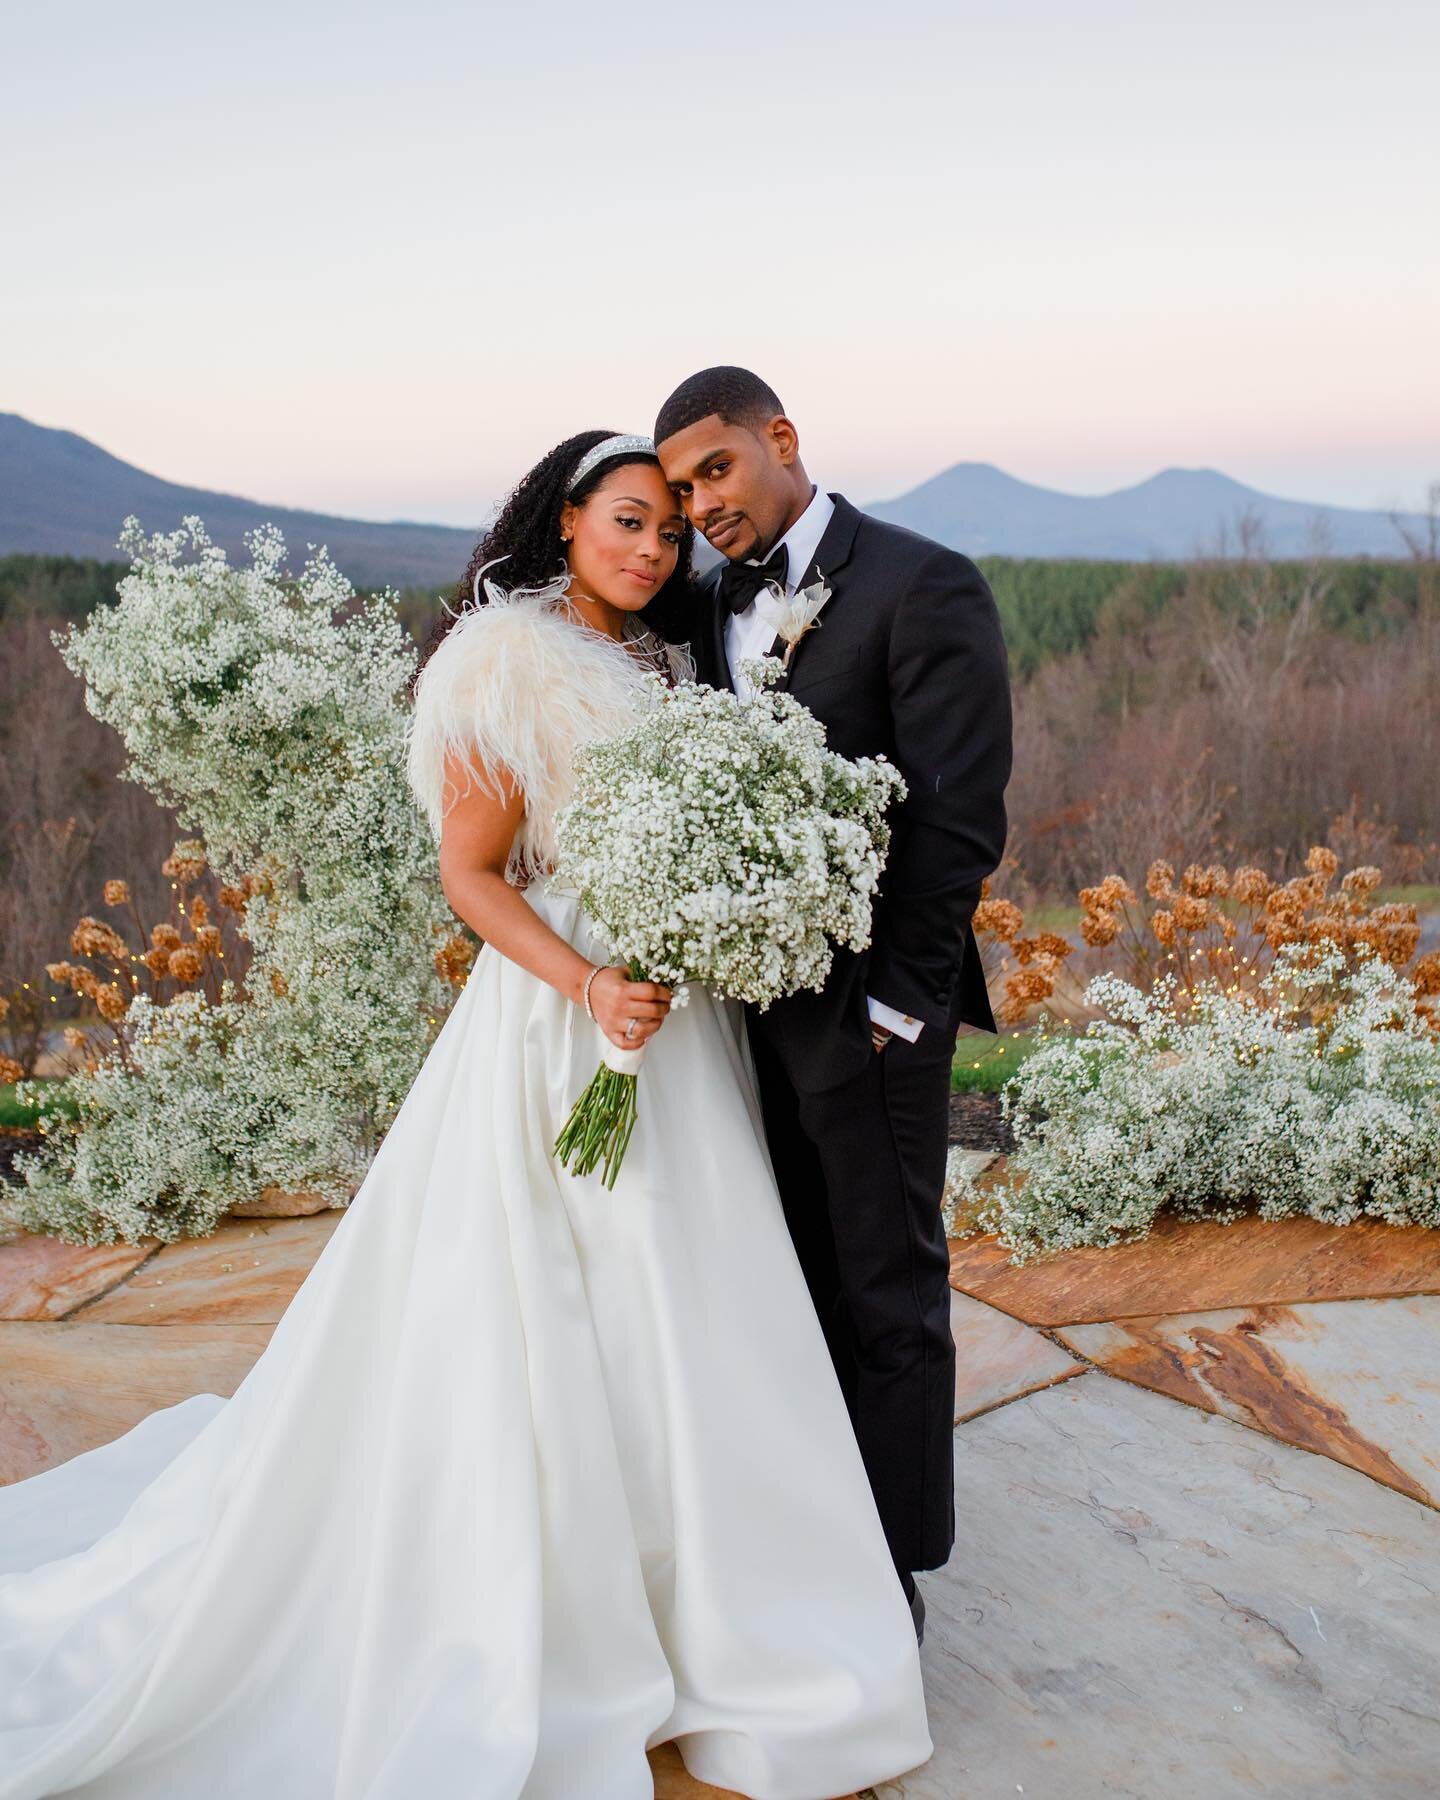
[717, 841]
[270, 710]
[1315, 1090]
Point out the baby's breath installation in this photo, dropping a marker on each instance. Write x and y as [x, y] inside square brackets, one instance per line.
[1316, 1090]
[270, 710]
[717, 841]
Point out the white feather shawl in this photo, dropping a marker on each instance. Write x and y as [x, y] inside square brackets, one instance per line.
[515, 687]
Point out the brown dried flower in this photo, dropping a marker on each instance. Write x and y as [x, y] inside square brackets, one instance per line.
[1320, 860]
[1191, 914]
[75, 1037]
[165, 937]
[93, 937]
[1285, 905]
[80, 979]
[278, 984]
[1111, 892]
[208, 939]
[453, 959]
[1159, 880]
[111, 1003]
[1196, 880]
[116, 892]
[1001, 918]
[186, 963]
[1163, 925]
[234, 897]
[10, 1070]
[1024, 988]
[157, 961]
[186, 863]
[1098, 928]
[1362, 882]
[199, 911]
[1249, 885]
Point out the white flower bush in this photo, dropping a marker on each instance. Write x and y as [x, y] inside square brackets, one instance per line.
[1318, 1094]
[720, 841]
[271, 711]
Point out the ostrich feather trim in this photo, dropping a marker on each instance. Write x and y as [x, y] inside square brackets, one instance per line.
[512, 691]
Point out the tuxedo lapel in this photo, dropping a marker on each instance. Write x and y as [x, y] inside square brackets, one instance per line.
[717, 627]
[831, 555]
[714, 627]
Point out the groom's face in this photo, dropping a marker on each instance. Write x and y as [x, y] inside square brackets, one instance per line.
[734, 481]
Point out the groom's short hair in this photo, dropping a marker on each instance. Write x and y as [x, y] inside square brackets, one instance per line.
[734, 395]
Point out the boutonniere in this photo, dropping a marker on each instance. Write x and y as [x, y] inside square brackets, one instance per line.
[794, 614]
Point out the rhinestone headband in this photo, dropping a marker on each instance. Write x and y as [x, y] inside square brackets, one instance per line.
[606, 448]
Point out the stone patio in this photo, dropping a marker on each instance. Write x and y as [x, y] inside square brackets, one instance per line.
[1198, 1551]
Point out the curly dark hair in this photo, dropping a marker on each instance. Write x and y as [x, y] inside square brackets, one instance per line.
[527, 535]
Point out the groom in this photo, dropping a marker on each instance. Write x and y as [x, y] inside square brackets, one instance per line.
[907, 659]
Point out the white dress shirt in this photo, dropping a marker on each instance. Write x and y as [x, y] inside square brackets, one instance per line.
[748, 634]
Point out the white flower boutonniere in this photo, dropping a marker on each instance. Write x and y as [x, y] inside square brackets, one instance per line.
[793, 615]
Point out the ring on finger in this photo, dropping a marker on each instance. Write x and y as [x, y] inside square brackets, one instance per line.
[630, 1028]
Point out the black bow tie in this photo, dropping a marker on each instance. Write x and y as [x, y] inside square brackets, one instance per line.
[741, 582]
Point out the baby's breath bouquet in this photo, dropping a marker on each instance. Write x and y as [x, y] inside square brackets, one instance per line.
[718, 841]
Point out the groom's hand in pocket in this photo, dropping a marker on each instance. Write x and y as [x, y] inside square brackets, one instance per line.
[615, 1000]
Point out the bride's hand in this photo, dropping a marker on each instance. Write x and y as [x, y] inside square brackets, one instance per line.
[615, 1000]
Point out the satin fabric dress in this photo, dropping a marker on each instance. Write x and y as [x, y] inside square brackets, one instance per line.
[531, 1476]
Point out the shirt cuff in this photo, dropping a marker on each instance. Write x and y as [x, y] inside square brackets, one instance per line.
[900, 1023]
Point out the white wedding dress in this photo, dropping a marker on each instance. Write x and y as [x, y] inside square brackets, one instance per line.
[532, 1475]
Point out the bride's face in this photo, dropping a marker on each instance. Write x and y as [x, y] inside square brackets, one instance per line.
[624, 537]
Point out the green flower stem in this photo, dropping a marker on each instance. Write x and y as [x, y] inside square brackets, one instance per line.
[599, 1127]
[602, 1120]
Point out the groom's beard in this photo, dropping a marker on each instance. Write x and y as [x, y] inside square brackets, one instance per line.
[726, 550]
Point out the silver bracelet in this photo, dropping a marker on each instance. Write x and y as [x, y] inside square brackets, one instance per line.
[588, 979]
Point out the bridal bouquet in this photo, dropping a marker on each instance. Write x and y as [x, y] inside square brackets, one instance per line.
[718, 841]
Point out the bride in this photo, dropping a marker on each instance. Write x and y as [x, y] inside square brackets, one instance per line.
[533, 1475]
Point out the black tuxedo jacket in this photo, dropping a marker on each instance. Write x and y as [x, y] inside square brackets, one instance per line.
[907, 660]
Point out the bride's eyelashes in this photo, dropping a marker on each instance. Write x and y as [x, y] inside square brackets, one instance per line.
[670, 535]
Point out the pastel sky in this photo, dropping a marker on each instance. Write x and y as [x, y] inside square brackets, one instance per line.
[375, 259]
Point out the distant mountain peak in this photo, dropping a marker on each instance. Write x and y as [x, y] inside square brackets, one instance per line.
[1176, 513]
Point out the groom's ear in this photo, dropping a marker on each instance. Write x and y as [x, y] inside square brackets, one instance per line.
[783, 440]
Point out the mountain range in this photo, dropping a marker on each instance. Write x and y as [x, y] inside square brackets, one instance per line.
[62, 495]
[1178, 513]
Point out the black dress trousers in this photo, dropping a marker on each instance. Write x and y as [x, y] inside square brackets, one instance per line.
[861, 1173]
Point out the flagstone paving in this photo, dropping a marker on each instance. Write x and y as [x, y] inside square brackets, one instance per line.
[998, 1359]
[78, 1367]
[1197, 1552]
[66, 1386]
[1195, 1265]
[1150, 1600]
[45, 1278]
[247, 1270]
[1358, 1380]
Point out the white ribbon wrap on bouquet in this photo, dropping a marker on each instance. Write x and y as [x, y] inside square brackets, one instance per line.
[623, 1062]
